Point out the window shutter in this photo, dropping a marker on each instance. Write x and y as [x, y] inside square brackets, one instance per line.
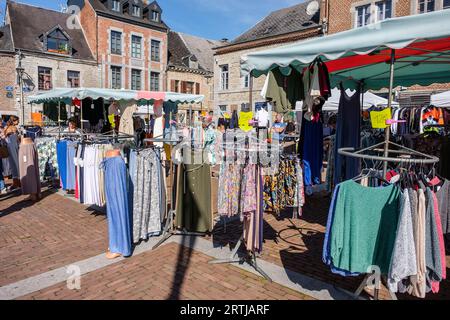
[197, 88]
[172, 85]
[183, 86]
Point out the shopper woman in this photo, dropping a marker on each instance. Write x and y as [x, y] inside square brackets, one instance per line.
[2, 179]
[12, 142]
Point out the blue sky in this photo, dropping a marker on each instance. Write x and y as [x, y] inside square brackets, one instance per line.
[214, 19]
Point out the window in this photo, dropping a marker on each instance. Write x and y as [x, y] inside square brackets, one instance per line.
[155, 16]
[136, 11]
[136, 47]
[136, 79]
[155, 50]
[189, 87]
[224, 77]
[116, 42]
[362, 16]
[57, 42]
[446, 4]
[384, 10]
[116, 5]
[45, 78]
[246, 81]
[116, 77]
[373, 12]
[223, 108]
[73, 79]
[154, 81]
[177, 85]
[426, 6]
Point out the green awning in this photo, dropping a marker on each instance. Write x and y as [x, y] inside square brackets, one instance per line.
[141, 97]
[422, 44]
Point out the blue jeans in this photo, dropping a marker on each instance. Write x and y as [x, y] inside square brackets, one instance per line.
[2, 181]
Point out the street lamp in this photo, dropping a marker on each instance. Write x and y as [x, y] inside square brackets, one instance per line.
[20, 71]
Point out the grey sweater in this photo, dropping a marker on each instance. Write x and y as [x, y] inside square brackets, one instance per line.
[404, 261]
[432, 246]
[443, 196]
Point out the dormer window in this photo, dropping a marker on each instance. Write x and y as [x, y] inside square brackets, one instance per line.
[155, 16]
[136, 11]
[57, 42]
[115, 5]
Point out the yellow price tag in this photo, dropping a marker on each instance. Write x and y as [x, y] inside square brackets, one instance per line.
[379, 118]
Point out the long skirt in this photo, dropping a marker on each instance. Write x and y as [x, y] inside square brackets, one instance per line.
[29, 169]
[13, 150]
[117, 206]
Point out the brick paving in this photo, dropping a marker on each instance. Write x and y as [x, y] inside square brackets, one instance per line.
[296, 244]
[36, 238]
[58, 231]
[171, 272]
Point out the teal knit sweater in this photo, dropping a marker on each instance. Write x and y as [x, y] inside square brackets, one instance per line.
[364, 227]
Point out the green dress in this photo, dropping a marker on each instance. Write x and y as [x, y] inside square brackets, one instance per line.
[193, 198]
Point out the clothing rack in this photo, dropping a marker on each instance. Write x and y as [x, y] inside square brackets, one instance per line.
[169, 229]
[412, 157]
[249, 258]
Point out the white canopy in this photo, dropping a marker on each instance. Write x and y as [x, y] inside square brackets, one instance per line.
[441, 99]
[370, 100]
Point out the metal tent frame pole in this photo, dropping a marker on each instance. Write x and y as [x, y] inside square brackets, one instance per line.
[388, 128]
[81, 116]
[59, 119]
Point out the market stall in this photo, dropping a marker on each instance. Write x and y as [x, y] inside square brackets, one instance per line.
[125, 169]
[403, 51]
[441, 99]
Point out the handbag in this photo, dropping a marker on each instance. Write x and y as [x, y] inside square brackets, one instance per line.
[4, 152]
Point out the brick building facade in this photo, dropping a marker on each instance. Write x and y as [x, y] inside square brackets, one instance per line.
[50, 54]
[7, 73]
[191, 68]
[277, 29]
[128, 40]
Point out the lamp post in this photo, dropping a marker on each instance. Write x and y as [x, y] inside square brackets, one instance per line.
[20, 71]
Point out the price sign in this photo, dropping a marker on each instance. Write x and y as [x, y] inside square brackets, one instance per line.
[379, 118]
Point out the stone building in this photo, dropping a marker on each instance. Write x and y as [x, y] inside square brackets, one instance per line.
[51, 55]
[8, 76]
[128, 39]
[347, 14]
[279, 28]
[191, 67]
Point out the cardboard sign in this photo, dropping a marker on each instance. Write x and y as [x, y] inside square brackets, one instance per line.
[379, 118]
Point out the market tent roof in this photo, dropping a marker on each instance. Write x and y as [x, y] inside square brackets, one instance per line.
[369, 99]
[422, 44]
[67, 94]
[441, 99]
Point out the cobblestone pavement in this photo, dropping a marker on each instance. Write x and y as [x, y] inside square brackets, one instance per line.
[56, 232]
[167, 273]
[35, 238]
[296, 244]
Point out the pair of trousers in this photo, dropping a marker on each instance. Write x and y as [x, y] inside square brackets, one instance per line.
[2, 181]
[61, 154]
[70, 162]
[117, 206]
